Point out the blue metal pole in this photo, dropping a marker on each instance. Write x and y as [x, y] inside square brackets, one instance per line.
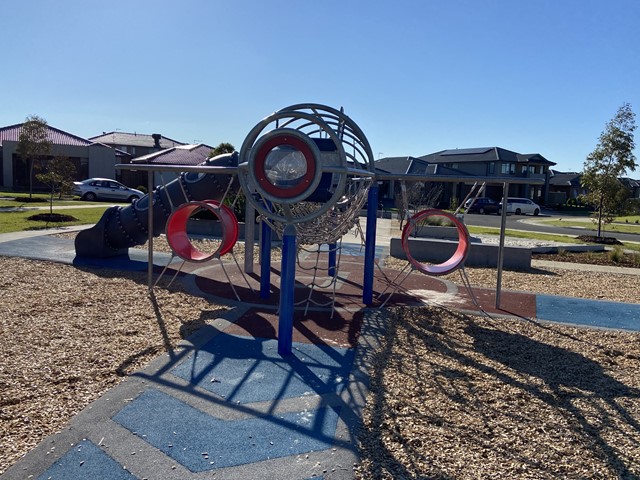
[332, 259]
[287, 289]
[265, 260]
[370, 245]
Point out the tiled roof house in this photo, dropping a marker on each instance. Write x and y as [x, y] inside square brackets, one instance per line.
[92, 159]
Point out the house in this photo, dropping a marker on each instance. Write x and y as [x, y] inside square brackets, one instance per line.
[481, 162]
[564, 185]
[179, 155]
[389, 190]
[91, 158]
[567, 185]
[632, 185]
[136, 145]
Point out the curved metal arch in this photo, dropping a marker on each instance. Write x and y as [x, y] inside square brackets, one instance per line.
[341, 170]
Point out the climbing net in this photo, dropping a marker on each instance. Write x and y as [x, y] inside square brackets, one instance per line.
[329, 227]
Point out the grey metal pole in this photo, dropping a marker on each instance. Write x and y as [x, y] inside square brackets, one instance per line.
[249, 236]
[150, 226]
[503, 222]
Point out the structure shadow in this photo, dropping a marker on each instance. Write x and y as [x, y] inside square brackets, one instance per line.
[560, 380]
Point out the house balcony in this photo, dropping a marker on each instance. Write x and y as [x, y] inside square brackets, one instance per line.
[541, 176]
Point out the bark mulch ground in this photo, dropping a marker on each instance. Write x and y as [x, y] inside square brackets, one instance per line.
[466, 397]
[452, 396]
[610, 258]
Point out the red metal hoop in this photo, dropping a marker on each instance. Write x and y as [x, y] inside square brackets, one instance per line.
[458, 257]
[179, 239]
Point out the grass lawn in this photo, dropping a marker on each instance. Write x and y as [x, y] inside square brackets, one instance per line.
[619, 225]
[18, 221]
[538, 236]
[21, 199]
[523, 234]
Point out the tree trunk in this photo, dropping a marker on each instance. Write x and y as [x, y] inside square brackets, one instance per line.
[30, 165]
[600, 216]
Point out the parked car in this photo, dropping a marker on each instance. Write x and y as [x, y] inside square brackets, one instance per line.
[522, 206]
[482, 205]
[105, 189]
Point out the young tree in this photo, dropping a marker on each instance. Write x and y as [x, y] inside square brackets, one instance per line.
[223, 147]
[59, 175]
[33, 144]
[611, 159]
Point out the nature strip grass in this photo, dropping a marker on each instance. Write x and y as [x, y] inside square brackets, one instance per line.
[18, 221]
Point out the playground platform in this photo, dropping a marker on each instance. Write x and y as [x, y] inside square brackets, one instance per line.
[227, 405]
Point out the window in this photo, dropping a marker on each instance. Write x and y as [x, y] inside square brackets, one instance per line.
[491, 168]
[508, 168]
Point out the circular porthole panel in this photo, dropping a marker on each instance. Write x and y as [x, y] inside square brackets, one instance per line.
[285, 165]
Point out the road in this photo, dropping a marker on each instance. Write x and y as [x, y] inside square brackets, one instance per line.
[529, 223]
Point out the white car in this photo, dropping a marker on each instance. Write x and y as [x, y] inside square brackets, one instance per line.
[105, 189]
[522, 206]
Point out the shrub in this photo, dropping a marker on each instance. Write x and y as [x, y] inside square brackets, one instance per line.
[616, 255]
[142, 189]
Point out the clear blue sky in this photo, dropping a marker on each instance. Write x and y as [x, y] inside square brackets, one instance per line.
[417, 76]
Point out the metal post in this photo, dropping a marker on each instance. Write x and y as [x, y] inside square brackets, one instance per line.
[265, 260]
[249, 236]
[370, 245]
[503, 222]
[331, 271]
[150, 232]
[287, 288]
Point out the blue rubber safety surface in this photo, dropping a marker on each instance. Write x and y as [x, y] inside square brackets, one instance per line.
[85, 461]
[56, 249]
[201, 442]
[593, 313]
[246, 369]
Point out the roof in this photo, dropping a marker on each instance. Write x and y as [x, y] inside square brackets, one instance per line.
[134, 140]
[180, 155]
[564, 178]
[630, 182]
[401, 165]
[55, 136]
[483, 154]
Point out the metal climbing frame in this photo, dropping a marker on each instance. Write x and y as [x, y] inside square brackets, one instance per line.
[504, 181]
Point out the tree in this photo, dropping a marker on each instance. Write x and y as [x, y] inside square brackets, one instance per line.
[223, 147]
[611, 159]
[59, 175]
[33, 144]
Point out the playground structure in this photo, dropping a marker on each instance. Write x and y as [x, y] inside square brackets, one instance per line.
[307, 170]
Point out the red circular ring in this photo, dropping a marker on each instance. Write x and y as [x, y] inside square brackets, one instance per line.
[458, 257]
[179, 239]
[261, 175]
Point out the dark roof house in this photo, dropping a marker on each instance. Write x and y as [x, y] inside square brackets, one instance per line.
[187, 155]
[179, 155]
[484, 162]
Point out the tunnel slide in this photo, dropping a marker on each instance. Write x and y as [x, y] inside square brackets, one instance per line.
[123, 227]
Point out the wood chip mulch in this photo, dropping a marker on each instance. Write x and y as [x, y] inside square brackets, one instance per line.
[68, 335]
[466, 397]
[452, 396]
